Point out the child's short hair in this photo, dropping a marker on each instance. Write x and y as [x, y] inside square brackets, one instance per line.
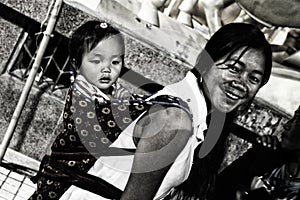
[86, 37]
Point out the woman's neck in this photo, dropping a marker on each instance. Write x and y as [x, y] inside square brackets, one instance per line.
[202, 87]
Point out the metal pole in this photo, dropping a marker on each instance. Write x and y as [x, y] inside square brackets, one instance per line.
[29, 82]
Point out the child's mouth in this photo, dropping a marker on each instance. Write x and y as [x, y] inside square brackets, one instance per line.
[104, 80]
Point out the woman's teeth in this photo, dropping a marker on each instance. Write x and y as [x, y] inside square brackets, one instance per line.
[232, 96]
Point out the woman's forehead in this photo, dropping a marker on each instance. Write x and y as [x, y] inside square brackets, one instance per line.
[249, 57]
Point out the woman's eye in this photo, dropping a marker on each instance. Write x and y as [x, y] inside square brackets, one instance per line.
[254, 80]
[233, 68]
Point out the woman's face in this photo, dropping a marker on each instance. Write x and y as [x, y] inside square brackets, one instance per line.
[102, 65]
[236, 81]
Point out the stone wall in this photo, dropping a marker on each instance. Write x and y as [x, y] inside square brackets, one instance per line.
[38, 119]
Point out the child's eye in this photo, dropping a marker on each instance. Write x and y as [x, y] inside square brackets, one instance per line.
[95, 61]
[116, 62]
[233, 68]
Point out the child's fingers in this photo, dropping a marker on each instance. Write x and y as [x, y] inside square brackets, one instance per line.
[263, 140]
[268, 141]
[258, 140]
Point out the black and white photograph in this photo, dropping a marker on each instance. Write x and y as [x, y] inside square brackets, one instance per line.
[150, 100]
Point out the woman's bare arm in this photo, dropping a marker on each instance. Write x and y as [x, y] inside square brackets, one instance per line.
[163, 133]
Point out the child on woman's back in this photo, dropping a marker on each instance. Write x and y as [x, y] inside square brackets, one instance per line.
[97, 52]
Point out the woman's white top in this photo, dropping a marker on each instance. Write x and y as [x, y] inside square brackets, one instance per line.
[116, 169]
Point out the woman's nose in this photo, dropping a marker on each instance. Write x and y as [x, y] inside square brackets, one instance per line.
[242, 79]
[238, 84]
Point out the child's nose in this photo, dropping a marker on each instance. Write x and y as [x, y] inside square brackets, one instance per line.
[106, 68]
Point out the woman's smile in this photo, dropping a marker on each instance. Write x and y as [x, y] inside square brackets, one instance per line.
[234, 93]
[234, 81]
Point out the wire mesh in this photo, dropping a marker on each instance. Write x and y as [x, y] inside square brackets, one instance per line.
[55, 68]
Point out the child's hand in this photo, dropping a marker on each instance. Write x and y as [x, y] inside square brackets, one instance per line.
[268, 141]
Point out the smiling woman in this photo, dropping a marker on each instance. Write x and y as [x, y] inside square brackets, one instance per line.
[235, 64]
[236, 78]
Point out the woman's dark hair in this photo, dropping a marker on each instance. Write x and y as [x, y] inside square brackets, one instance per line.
[200, 183]
[232, 37]
[86, 37]
[227, 40]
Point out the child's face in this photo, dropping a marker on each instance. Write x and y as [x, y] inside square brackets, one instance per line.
[102, 65]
